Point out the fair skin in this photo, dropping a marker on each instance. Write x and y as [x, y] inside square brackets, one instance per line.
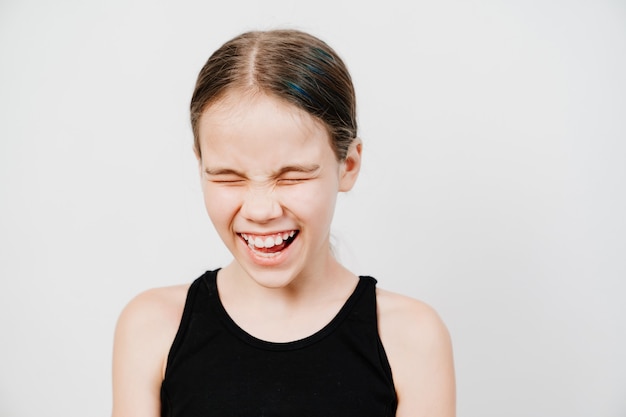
[270, 180]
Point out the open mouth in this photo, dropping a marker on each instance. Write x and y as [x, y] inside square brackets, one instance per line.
[269, 245]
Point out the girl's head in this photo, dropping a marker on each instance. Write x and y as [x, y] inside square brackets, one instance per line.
[273, 116]
[290, 65]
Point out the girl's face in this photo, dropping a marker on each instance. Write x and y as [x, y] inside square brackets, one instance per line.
[270, 180]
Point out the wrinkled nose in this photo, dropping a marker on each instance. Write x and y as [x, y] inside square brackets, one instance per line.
[260, 205]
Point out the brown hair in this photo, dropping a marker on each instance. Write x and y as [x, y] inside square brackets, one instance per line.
[289, 64]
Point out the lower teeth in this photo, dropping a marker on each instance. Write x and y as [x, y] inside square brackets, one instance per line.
[263, 254]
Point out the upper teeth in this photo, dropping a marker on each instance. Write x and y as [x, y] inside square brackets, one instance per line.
[268, 241]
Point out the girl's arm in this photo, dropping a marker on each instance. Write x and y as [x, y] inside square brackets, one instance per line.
[143, 336]
[419, 350]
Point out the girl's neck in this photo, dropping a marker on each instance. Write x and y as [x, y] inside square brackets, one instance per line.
[286, 313]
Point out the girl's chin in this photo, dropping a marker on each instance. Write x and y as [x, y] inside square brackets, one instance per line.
[272, 279]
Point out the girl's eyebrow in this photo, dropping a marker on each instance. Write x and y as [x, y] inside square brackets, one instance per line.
[306, 169]
[222, 171]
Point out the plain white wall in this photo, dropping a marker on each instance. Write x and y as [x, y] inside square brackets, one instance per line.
[493, 186]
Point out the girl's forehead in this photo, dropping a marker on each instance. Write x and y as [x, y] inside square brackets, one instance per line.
[252, 114]
[239, 103]
[259, 130]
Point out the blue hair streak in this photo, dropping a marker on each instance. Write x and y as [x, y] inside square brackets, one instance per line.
[300, 92]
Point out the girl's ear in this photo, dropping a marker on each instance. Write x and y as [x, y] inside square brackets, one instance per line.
[351, 166]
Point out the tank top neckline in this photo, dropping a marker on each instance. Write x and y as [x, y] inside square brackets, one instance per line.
[327, 329]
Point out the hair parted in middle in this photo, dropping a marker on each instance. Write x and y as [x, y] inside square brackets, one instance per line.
[290, 65]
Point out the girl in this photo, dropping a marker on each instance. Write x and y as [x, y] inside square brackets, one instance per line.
[284, 329]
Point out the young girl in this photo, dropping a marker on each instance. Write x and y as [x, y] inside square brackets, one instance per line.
[284, 329]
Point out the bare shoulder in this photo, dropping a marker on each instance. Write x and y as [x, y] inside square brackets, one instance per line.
[151, 319]
[162, 306]
[419, 348]
[144, 333]
[408, 318]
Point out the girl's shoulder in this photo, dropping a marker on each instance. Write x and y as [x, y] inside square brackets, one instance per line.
[160, 306]
[149, 323]
[407, 323]
[403, 313]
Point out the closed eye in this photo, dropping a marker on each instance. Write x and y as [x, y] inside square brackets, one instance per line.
[290, 181]
[227, 181]
[224, 176]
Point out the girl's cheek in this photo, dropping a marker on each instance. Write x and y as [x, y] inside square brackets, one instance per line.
[305, 200]
[222, 199]
[296, 194]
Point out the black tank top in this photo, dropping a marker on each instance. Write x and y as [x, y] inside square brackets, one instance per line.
[215, 368]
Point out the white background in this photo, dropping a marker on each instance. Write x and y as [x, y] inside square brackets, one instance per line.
[493, 186]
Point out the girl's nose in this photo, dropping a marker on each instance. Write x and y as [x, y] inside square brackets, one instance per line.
[260, 205]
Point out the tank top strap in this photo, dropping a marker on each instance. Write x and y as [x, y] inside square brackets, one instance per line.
[361, 306]
[365, 303]
[195, 306]
[362, 324]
